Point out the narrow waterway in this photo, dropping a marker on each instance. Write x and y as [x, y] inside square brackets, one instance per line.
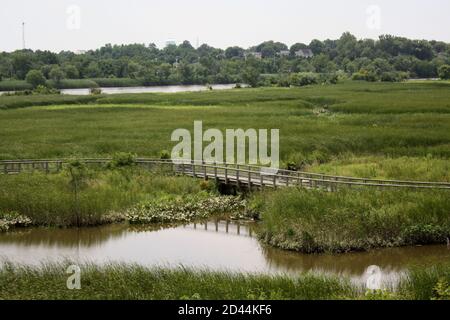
[214, 245]
[155, 89]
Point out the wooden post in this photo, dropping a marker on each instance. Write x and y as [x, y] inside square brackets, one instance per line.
[237, 175]
[261, 179]
[274, 181]
[215, 170]
[5, 168]
[204, 170]
[249, 179]
[226, 173]
[193, 168]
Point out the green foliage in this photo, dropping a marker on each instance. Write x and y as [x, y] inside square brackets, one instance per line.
[43, 90]
[184, 209]
[137, 64]
[444, 72]
[122, 159]
[14, 85]
[35, 78]
[13, 219]
[56, 74]
[79, 196]
[427, 283]
[251, 76]
[442, 289]
[128, 281]
[95, 91]
[125, 281]
[319, 221]
[359, 119]
[304, 79]
[164, 155]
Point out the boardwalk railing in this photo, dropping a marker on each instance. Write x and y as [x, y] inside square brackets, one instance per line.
[248, 176]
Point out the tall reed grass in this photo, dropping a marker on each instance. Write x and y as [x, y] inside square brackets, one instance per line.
[49, 199]
[124, 281]
[313, 221]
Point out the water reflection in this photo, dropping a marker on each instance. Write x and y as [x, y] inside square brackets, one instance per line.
[217, 245]
[155, 89]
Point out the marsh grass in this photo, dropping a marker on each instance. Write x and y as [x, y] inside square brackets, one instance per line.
[429, 283]
[314, 221]
[118, 281]
[360, 119]
[377, 167]
[49, 199]
[129, 281]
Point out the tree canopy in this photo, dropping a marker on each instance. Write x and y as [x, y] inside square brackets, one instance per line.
[176, 64]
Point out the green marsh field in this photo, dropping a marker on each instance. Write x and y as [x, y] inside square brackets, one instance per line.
[360, 129]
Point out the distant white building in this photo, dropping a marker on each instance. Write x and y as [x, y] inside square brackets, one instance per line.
[80, 51]
[171, 42]
[304, 53]
[284, 53]
[257, 55]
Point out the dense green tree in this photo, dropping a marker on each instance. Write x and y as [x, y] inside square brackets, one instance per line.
[35, 78]
[444, 72]
[175, 64]
[22, 63]
[269, 49]
[71, 71]
[251, 76]
[56, 74]
[234, 52]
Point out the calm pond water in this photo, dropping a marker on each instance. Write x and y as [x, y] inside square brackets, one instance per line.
[216, 245]
[164, 89]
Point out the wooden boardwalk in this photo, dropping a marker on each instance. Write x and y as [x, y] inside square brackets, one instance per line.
[246, 176]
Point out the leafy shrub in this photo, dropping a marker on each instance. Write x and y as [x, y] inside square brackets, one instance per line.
[95, 91]
[40, 89]
[164, 155]
[35, 78]
[184, 209]
[13, 219]
[444, 72]
[122, 159]
[425, 234]
[394, 76]
[304, 78]
[442, 290]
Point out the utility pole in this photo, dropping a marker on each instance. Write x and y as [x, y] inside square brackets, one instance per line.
[23, 35]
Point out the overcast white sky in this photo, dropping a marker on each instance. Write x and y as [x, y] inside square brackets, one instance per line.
[55, 24]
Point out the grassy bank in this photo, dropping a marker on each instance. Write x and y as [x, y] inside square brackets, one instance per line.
[14, 85]
[136, 282]
[14, 102]
[313, 221]
[101, 196]
[18, 85]
[378, 167]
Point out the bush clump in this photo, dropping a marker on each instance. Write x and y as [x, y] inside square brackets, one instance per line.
[315, 221]
[13, 219]
[185, 209]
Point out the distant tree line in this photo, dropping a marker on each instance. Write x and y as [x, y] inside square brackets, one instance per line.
[389, 58]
